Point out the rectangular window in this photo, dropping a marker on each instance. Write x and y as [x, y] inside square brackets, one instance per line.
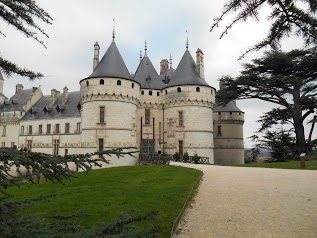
[56, 147]
[3, 144]
[102, 115]
[22, 130]
[56, 128]
[180, 118]
[12, 144]
[29, 145]
[100, 148]
[147, 116]
[78, 127]
[219, 131]
[67, 127]
[30, 130]
[4, 132]
[40, 129]
[48, 129]
[66, 151]
[180, 147]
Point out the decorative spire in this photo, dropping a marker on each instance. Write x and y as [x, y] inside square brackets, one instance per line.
[114, 29]
[187, 40]
[170, 61]
[145, 48]
[140, 54]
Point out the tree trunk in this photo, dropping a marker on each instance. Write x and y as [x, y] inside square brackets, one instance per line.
[301, 145]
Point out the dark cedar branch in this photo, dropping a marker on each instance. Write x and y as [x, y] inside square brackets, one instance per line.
[288, 79]
[25, 16]
[286, 17]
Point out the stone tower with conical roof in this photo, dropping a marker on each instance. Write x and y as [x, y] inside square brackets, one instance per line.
[109, 98]
[228, 133]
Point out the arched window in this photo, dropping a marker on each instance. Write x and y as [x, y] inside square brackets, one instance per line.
[132, 85]
[179, 89]
[150, 93]
[142, 92]
[158, 93]
[102, 82]
[165, 91]
[87, 83]
[197, 89]
[119, 82]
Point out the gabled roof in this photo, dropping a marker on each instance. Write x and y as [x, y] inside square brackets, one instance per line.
[111, 65]
[70, 108]
[1, 78]
[186, 73]
[147, 76]
[16, 102]
[229, 107]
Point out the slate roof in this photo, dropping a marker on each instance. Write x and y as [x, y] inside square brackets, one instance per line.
[70, 108]
[186, 73]
[16, 101]
[229, 107]
[147, 76]
[111, 65]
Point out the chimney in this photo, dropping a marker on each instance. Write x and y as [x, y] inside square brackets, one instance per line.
[96, 55]
[18, 88]
[65, 95]
[54, 94]
[200, 63]
[163, 66]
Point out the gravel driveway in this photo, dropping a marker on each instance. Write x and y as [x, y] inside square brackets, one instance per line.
[237, 202]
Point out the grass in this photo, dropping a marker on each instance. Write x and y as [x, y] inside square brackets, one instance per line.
[106, 193]
[310, 165]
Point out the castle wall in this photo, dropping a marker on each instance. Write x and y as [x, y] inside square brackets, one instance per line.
[228, 137]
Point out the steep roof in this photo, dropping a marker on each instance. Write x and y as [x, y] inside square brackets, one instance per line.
[69, 109]
[229, 107]
[1, 78]
[16, 102]
[186, 73]
[147, 76]
[111, 65]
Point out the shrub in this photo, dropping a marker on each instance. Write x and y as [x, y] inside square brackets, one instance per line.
[196, 158]
[185, 157]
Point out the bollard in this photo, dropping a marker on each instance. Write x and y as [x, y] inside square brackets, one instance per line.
[302, 161]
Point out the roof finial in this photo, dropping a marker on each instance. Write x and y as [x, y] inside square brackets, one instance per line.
[140, 54]
[187, 40]
[145, 48]
[114, 29]
[170, 61]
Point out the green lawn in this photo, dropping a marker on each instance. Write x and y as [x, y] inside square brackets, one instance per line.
[106, 193]
[311, 164]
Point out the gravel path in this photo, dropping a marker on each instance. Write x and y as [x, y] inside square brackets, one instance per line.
[235, 202]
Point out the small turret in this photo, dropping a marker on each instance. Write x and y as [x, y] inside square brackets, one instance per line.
[96, 55]
[200, 63]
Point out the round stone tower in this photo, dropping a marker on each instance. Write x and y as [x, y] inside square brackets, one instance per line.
[109, 99]
[228, 134]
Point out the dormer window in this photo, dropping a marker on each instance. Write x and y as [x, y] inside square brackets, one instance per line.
[102, 82]
[119, 82]
[179, 89]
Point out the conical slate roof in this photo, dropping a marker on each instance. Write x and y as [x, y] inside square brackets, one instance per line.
[186, 73]
[1, 78]
[229, 107]
[111, 65]
[147, 76]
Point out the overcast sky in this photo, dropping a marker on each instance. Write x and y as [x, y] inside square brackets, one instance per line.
[78, 24]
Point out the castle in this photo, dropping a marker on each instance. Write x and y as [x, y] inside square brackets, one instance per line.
[166, 112]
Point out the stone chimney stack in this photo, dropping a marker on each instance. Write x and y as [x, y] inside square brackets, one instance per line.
[54, 94]
[65, 95]
[163, 66]
[96, 55]
[200, 63]
[18, 88]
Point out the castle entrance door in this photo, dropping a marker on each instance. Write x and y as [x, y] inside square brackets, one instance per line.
[147, 147]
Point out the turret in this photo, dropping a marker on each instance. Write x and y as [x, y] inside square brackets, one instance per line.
[200, 63]
[96, 55]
